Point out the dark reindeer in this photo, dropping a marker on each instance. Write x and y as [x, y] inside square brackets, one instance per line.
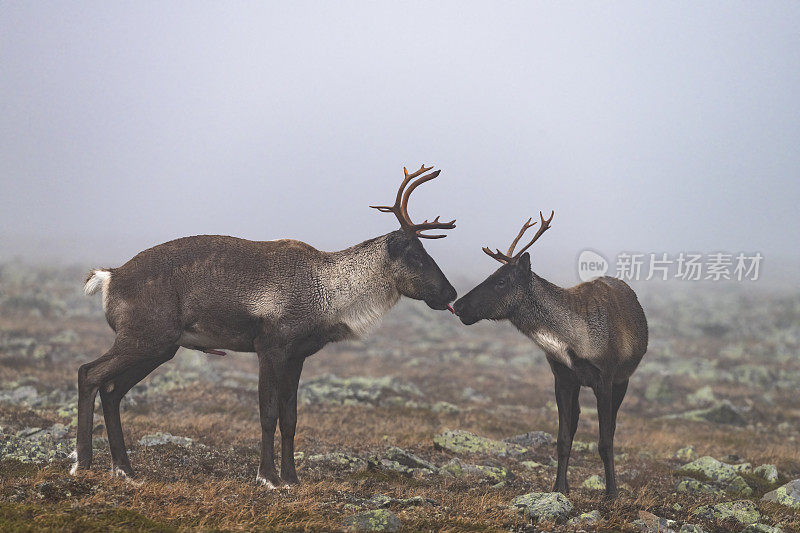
[593, 334]
[283, 300]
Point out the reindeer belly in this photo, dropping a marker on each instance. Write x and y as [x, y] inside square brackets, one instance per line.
[204, 339]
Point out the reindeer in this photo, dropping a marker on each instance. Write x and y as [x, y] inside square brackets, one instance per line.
[283, 300]
[593, 334]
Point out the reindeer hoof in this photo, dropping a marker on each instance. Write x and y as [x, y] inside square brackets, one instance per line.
[270, 484]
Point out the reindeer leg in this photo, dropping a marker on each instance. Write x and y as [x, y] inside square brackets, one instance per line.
[288, 421]
[111, 394]
[567, 389]
[618, 394]
[123, 355]
[271, 373]
[605, 445]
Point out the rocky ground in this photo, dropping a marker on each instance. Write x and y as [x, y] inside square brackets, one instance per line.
[426, 425]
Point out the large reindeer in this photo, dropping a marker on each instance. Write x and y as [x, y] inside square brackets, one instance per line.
[283, 300]
[593, 334]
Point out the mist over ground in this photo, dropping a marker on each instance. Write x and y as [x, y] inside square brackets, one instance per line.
[650, 128]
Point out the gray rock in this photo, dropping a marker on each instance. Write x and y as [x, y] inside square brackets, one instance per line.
[651, 523]
[338, 461]
[532, 439]
[722, 413]
[761, 528]
[377, 520]
[691, 528]
[547, 506]
[788, 495]
[408, 459]
[26, 394]
[157, 439]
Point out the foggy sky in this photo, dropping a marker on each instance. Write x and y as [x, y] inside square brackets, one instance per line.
[646, 126]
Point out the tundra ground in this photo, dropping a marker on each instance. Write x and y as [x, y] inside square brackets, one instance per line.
[721, 375]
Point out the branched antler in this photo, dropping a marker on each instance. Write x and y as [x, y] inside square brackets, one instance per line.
[400, 207]
[510, 256]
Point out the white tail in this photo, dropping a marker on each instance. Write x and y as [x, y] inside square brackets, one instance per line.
[96, 280]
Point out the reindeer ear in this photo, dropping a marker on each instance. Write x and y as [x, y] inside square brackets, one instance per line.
[524, 261]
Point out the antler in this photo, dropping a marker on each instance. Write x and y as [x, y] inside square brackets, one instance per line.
[510, 256]
[400, 207]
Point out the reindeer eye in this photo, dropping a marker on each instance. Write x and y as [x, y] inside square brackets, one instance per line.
[501, 283]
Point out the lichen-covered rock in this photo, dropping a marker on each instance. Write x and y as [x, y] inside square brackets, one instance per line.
[702, 396]
[594, 482]
[445, 408]
[739, 487]
[654, 524]
[458, 441]
[548, 506]
[761, 528]
[458, 468]
[768, 473]
[788, 495]
[585, 519]
[691, 528]
[359, 390]
[743, 511]
[23, 394]
[408, 459]
[710, 468]
[337, 461]
[532, 465]
[37, 445]
[532, 439]
[377, 520]
[722, 413]
[693, 486]
[660, 390]
[383, 501]
[686, 454]
[157, 439]
[584, 447]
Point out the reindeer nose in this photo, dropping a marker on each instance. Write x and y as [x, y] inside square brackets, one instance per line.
[458, 306]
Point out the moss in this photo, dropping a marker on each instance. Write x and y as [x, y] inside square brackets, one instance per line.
[16, 517]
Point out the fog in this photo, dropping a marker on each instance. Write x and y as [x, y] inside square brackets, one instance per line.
[657, 127]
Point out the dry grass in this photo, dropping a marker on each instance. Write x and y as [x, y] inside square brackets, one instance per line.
[212, 488]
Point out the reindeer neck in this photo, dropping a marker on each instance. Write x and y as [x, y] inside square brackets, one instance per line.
[357, 285]
[545, 310]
